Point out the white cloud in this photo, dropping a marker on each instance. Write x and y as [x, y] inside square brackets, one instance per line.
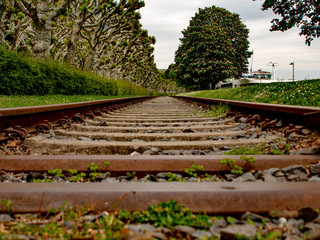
[167, 18]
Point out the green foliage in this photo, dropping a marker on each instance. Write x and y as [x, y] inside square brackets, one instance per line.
[22, 75]
[168, 214]
[7, 203]
[56, 172]
[304, 93]
[296, 13]
[194, 171]
[173, 177]
[248, 160]
[255, 150]
[78, 178]
[131, 174]
[235, 169]
[217, 110]
[93, 167]
[214, 47]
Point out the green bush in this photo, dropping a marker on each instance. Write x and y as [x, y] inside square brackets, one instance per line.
[23, 75]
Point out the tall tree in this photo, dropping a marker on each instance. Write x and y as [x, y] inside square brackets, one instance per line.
[42, 13]
[214, 47]
[296, 13]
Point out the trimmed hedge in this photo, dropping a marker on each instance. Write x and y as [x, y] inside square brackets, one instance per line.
[23, 75]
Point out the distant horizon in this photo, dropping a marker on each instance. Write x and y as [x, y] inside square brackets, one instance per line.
[166, 19]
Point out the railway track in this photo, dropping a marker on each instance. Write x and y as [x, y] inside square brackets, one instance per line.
[135, 154]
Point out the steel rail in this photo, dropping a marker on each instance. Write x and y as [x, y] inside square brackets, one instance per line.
[142, 164]
[212, 198]
[309, 116]
[30, 116]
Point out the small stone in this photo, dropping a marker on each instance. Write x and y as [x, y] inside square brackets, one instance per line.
[84, 139]
[161, 175]
[134, 153]
[216, 138]
[193, 179]
[272, 171]
[281, 179]
[315, 168]
[232, 232]
[197, 152]
[296, 172]
[187, 130]
[159, 235]
[246, 177]
[295, 223]
[307, 151]
[313, 231]
[33, 175]
[201, 235]
[185, 229]
[230, 177]
[266, 177]
[141, 228]
[306, 131]
[58, 179]
[254, 217]
[279, 124]
[243, 126]
[253, 136]
[5, 218]
[149, 178]
[307, 214]
[105, 175]
[52, 133]
[294, 169]
[314, 179]
[110, 180]
[137, 140]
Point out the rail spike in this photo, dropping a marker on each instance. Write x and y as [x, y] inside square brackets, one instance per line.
[43, 127]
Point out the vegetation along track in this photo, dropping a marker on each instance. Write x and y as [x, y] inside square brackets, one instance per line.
[134, 155]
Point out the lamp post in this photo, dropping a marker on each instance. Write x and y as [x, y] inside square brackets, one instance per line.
[292, 70]
[273, 65]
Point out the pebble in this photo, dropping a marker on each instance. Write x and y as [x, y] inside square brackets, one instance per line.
[185, 229]
[5, 218]
[233, 232]
[246, 177]
[84, 139]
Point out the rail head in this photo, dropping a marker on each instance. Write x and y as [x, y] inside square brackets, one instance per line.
[309, 115]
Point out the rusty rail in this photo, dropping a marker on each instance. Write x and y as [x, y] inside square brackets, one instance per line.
[212, 198]
[308, 116]
[142, 164]
[27, 117]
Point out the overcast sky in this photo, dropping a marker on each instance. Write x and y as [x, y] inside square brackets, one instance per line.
[165, 19]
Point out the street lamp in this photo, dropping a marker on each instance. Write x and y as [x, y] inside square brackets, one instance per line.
[292, 70]
[273, 65]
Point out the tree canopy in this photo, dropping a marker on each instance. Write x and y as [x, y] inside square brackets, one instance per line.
[104, 36]
[214, 47]
[296, 13]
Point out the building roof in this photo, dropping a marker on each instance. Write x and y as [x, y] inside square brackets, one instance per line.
[261, 72]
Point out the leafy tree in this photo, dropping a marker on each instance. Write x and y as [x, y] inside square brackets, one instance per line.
[296, 13]
[214, 47]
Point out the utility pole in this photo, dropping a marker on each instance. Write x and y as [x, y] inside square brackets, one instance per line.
[292, 70]
[273, 65]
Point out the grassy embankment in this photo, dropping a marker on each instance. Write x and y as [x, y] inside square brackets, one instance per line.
[304, 93]
[25, 81]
